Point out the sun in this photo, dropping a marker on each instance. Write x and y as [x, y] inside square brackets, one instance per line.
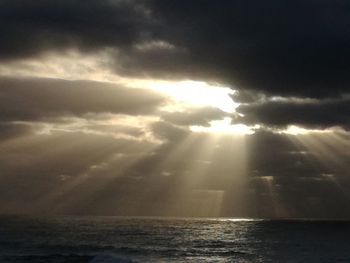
[196, 93]
[201, 94]
[189, 93]
[225, 126]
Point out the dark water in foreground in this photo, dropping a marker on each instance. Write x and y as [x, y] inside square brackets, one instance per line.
[115, 239]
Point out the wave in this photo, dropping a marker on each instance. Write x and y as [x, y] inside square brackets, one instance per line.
[109, 259]
[56, 258]
[64, 258]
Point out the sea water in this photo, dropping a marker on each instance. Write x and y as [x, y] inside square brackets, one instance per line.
[132, 239]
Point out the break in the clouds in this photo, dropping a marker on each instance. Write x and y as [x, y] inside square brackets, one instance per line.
[126, 107]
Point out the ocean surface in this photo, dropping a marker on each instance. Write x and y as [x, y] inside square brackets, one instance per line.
[127, 239]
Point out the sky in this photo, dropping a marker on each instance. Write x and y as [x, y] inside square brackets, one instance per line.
[235, 108]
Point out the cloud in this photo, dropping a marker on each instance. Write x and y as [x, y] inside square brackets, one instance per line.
[30, 99]
[29, 28]
[11, 130]
[278, 48]
[82, 146]
[311, 114]
[297, 48]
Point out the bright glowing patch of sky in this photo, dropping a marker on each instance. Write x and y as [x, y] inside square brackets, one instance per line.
[197, 93]
[225, 126]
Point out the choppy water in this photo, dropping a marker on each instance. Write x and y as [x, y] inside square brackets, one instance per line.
[116, 239]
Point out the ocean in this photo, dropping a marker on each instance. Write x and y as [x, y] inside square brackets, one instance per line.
[131, 239]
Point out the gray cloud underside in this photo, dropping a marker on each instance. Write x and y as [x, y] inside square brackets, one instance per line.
[31, 99]
[319, 115]
[9, 130]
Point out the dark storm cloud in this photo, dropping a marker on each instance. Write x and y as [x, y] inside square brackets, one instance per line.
[279, 47]
[318, 114]
[297, 48]
[34, 99]
[28, 28]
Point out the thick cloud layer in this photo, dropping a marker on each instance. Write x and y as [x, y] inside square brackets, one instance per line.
[288, 48]
[29, 28]
[297, 48]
